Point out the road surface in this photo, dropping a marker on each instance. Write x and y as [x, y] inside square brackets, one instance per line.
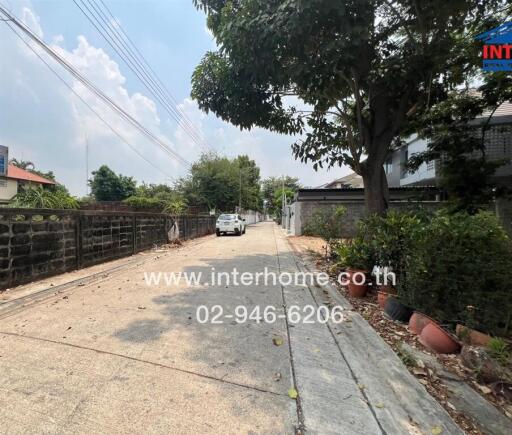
[121, 356]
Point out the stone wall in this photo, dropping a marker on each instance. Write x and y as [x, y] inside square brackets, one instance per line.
[40, 243]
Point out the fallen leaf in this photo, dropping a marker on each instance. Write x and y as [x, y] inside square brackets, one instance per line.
[277, 376]
[419, 372]
[141, 307]
[420, 364]
[380, 405]
[361, 386]
[278, 341]
[484, 389]
[292, 393]
[437, 430]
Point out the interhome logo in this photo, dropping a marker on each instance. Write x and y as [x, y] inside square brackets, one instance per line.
[497, 50]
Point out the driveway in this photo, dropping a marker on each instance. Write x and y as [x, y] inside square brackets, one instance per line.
[122, 356]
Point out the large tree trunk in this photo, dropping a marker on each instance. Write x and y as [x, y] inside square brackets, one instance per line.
[376, 192]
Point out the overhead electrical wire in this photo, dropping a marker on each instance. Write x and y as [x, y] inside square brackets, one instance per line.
[87, 104]
[136, 62]
[88, 84]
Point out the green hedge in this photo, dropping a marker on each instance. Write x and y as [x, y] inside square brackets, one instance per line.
[459, 269]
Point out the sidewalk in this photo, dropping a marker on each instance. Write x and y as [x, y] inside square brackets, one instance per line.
[349, 379]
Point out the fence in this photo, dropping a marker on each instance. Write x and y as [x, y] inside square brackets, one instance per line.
[39, 243]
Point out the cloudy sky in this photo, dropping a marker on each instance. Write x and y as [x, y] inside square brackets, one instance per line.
[41, 120]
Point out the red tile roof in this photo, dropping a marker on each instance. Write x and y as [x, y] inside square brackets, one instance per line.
[22, 174]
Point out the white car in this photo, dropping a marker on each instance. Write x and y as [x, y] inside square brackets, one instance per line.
[230, 223]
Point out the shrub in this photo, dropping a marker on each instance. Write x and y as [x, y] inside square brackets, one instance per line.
[326, 223]
[40, 197]
[142, 202]
[459, 269]
[354, 254]
[391, 236]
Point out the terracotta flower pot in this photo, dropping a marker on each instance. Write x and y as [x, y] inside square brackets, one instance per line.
[418, 321]
[472, 336]
[355, 289]
[383, 292]
[395, 310]
[435, 338]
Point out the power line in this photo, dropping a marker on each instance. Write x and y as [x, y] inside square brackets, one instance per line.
[107, 100]
[105, 27]
[83, 101]
[169, 94]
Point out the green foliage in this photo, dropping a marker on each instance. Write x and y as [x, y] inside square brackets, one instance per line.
[106, 185]
[40, 197]
[366, 68]
[272, 189]
[176, 205]
[499, 350]
[142, 202]
[391, 236]
[356, 254]
[459, 269]
[217, 182]
[326, 223]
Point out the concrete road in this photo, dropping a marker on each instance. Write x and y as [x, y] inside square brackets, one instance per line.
[121, 356]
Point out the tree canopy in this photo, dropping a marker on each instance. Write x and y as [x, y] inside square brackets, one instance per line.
[220, 183]
[272, 192]
[106, 185]
[360, 71]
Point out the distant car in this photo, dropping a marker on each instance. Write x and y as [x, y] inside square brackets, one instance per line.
[230, 223]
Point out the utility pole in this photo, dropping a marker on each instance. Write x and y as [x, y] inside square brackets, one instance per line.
[282, 200]
[240, 192]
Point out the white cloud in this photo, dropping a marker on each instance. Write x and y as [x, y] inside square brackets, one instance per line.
[48, 124]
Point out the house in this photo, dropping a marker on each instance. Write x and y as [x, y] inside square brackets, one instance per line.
[406, 190]
[12, 178]
[351, 180]
[498, 145]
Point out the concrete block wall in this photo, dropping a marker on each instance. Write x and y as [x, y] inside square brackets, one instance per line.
[303, 211]
[39, 243]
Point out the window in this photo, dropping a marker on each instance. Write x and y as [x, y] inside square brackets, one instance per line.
[388, 166]
[3, 182]
[2, 165]
[404, 158]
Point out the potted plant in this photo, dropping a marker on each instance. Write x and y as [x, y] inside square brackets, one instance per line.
[436, 338]
[356, 258]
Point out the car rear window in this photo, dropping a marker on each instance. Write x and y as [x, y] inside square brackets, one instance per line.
[226, 217]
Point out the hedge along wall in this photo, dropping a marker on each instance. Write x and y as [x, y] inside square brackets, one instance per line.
[40, 243]
[301, 212]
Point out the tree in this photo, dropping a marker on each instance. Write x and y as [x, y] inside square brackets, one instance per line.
[271, 188]
[456, 131]
[249, 183]
[216, 182]
[106, 185]
[365, 68]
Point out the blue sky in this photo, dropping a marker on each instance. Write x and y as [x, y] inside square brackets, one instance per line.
[42, 121]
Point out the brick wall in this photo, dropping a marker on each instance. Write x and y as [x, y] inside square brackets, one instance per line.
[40, 243]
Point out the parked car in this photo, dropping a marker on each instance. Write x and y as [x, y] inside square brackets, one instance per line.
[230, 223]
